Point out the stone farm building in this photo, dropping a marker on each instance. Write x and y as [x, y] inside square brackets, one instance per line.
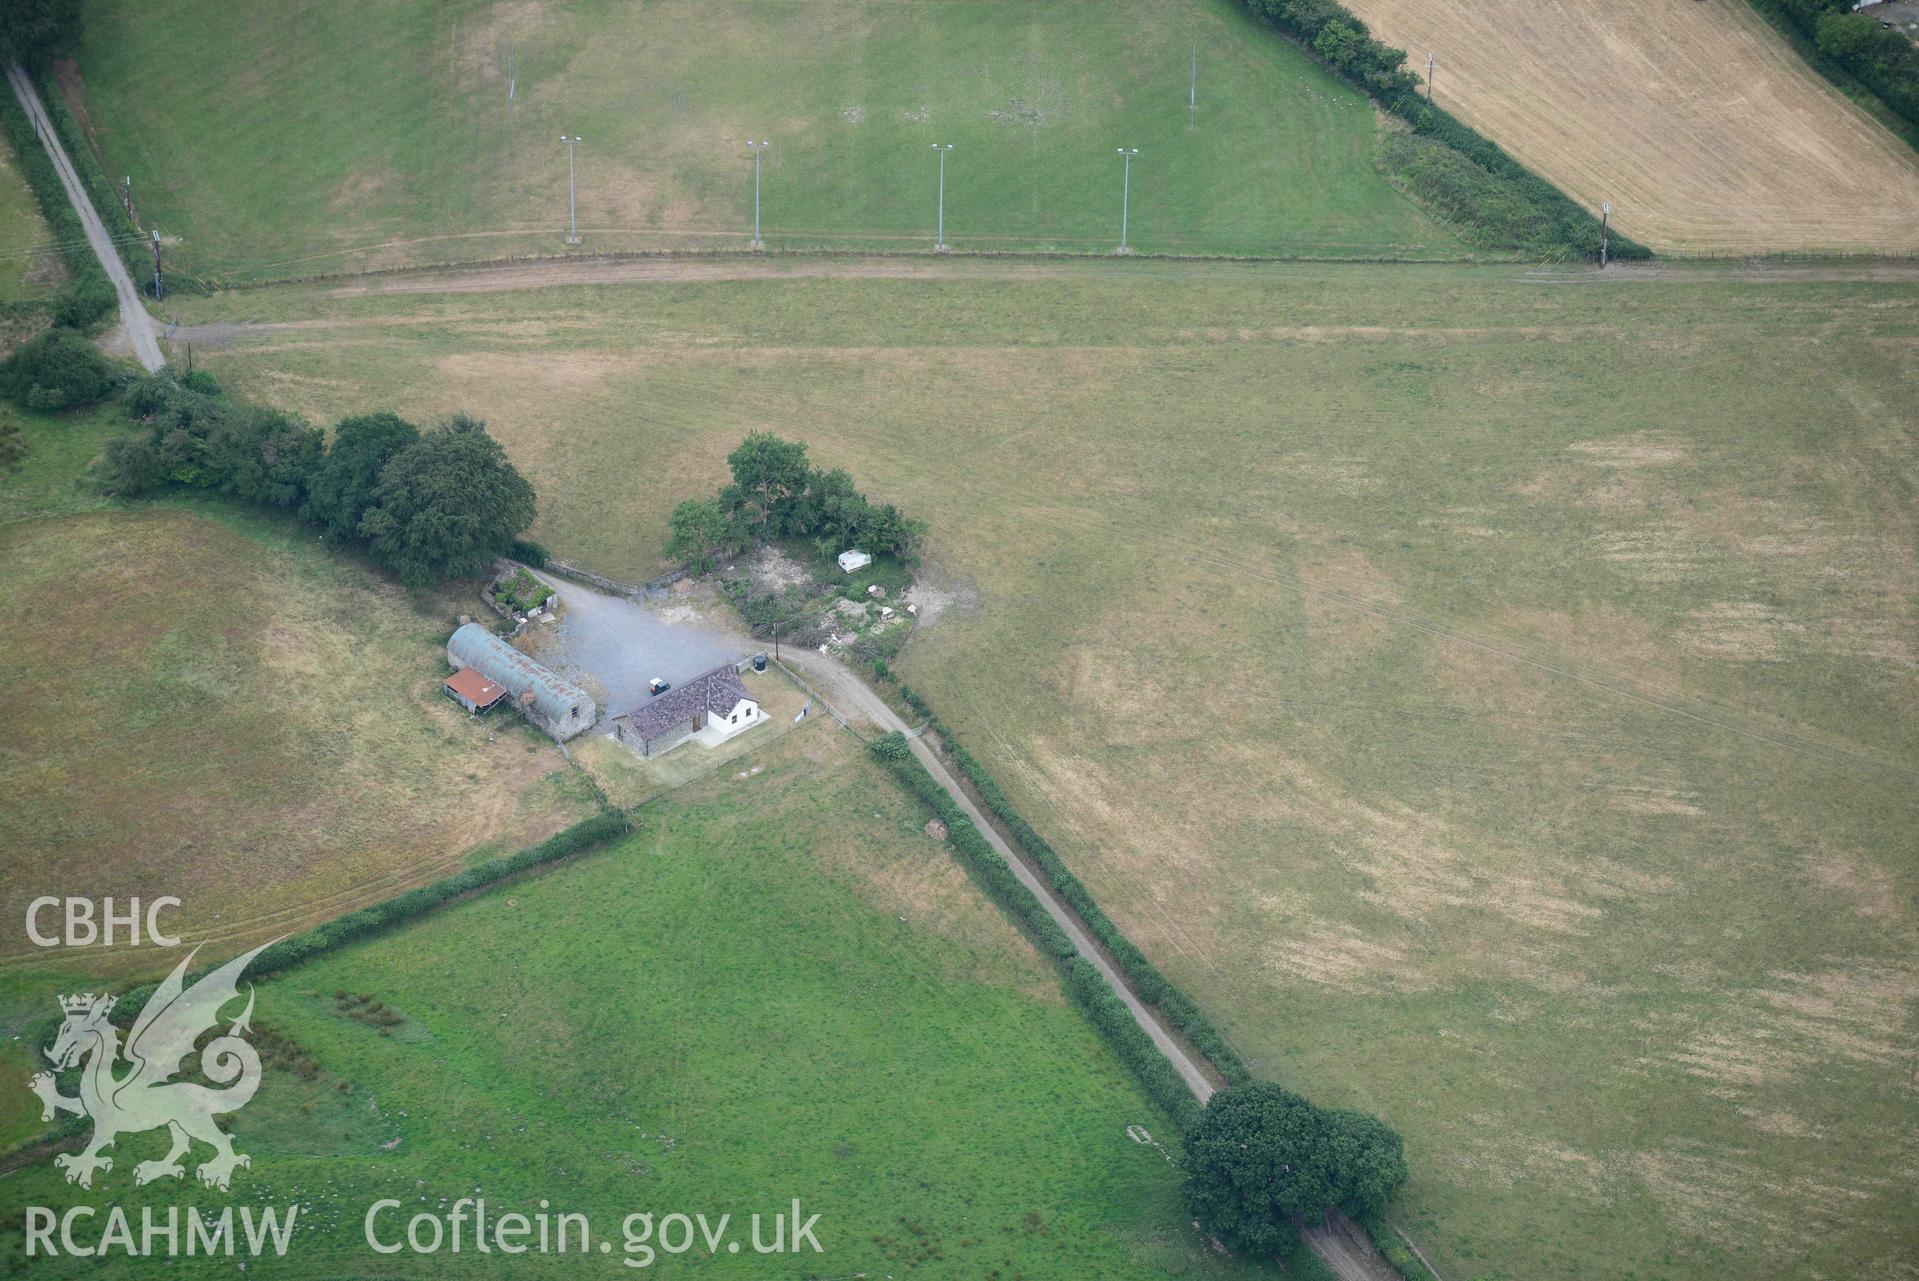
[557, 706]
[715, 706]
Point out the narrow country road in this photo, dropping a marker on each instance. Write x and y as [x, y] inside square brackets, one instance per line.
[1340, 1243]
[135, 323]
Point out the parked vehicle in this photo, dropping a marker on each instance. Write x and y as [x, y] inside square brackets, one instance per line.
[658, 685]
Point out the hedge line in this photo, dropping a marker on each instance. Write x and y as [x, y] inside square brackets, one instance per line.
[1782, 20]
[291, 951]
[980, 857]
[88, 296]
[1153, 987]
[1550, 220]
[1094, 996]
[1392, 1249]
[1111, 1018]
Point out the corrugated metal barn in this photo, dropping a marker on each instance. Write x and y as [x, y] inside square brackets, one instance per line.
[557, 706]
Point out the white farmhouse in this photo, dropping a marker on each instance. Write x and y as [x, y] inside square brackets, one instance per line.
[712, 707]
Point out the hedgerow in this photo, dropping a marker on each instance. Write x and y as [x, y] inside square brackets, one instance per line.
[88, 296]
[1866, 61]
[1128, 1039]
[1152, 987]
[1102, 1006]
[289, 952]
[1527, 213]
[981, 858]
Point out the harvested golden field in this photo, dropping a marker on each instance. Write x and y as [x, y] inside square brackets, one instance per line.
[1701, 126]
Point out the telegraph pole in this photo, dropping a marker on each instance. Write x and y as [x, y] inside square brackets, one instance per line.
[1605, 220]
[1192, 91]
[942, 148]
[1125, 191]
[572, 216]
[759, 149]
[1429, 78]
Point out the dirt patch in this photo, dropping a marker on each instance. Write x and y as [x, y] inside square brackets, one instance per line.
[1873, 891]
[1740, 632]
[935, 594]
[1335, 623]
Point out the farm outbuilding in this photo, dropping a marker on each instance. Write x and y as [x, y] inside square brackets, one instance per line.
[714, 705]
[557, 706]
[473, 691]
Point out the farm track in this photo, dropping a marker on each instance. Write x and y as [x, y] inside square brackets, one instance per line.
[720, 268]
[1339, 1242]
[136, 326]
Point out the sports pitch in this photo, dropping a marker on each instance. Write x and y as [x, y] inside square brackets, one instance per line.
[292, 142]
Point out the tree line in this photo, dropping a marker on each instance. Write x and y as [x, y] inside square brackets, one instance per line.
[429, 505]
[1447, 165]
[1885, 61]
[776, 493]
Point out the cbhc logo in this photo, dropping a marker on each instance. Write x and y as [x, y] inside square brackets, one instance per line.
[86, 926]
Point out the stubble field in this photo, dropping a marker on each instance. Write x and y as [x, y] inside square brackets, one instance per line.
[1490, 694]
[1706, 131]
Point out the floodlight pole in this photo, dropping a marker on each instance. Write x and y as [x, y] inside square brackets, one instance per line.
[1192, 91]
[572, 216]
[759, 148]
[1429, 78]
[942, 148]
[1125, 191]
[1605, 221]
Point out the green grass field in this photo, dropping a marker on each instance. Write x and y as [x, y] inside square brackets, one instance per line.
[288, 141]
[1492, 695]
[213, 706]
[30, 266]
[779, 987]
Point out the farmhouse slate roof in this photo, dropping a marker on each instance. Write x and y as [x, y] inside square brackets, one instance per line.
[718, 691]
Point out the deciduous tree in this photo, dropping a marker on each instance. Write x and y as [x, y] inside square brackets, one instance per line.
[703, 531]
[1262, 1158]
[447, 505]
[342, 486]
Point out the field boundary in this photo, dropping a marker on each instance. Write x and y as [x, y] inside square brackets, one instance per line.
[1394, 92]
[1855, 90]
[293, 950]
[1152, 986]
[69, 243]
[121, 292]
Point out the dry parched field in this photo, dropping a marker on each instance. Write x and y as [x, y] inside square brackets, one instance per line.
[1701, 126]
[1493, 697]
[228, 713]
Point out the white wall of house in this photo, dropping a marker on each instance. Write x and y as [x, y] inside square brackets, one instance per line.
[744, 716]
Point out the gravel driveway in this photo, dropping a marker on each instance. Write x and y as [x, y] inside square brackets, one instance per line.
[614, 646]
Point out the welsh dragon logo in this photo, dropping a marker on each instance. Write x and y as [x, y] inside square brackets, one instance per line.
[140, 1093]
